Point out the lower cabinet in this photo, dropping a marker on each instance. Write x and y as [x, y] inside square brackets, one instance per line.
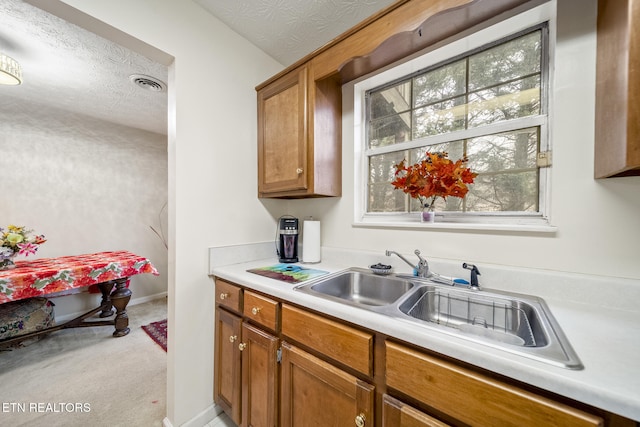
[472, 398]
[259, 378]
[246, 372]
[227, 359]
[282, 365]
[315, 393]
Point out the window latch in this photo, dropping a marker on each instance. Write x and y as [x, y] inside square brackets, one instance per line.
[544, 159]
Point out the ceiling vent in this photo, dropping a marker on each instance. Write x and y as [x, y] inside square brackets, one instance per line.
[148, 82]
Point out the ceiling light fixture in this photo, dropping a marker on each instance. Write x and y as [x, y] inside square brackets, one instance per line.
[10, 71]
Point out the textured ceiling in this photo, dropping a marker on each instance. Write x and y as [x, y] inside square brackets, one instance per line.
[69, 69]
[290, 29]
[66, 68]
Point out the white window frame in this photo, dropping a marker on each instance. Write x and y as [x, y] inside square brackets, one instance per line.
[537, 222]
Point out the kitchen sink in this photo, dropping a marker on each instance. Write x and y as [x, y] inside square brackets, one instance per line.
[360, 287]
[517, 323]
[505, 319]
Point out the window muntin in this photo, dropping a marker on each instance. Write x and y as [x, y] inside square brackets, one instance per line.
[487, 105]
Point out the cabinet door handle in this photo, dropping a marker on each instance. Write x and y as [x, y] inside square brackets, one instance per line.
[224, 295]
[255, 310]
[233, 338]
[299, 170]
[242, 346]
[360, 419]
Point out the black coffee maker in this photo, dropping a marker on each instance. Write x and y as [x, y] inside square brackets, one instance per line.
[288, 240]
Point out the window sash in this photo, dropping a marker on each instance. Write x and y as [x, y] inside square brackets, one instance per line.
[403, 90]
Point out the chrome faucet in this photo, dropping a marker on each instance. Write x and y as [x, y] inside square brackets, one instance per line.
[422, 268]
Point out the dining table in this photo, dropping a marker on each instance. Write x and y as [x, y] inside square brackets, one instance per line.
[108, 273]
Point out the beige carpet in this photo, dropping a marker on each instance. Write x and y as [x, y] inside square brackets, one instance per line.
[86, 377]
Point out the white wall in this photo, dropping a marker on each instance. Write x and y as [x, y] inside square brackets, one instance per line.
[88, 186]
[212, 177]
[598, 220]
[212, 170]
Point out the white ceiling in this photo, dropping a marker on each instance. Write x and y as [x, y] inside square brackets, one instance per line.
[66, 68]
[290, 29]
[69, 69]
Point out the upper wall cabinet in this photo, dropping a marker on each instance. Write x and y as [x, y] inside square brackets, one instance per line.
[300, 109]
[299, 136]
[617, 133]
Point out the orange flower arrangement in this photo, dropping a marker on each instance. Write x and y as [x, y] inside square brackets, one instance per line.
[435, 176]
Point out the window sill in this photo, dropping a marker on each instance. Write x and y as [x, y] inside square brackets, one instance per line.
[442, 225]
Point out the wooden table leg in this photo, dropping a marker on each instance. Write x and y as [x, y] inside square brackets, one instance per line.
[107, 306]
[120, 298]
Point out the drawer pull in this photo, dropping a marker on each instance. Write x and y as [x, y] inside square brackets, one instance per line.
[242, 346]
[224, 295]
[299, 170]
[255, 310]
[233, 338]
[360, 419]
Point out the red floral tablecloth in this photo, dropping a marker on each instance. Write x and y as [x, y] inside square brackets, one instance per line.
[50, 275]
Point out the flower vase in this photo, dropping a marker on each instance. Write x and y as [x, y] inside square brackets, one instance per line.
[427, 216]
[7, 263]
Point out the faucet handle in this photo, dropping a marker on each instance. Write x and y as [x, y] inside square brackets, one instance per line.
[474, 274]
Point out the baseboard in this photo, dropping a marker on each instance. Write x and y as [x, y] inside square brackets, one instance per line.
[134, 301]
[147, 298]
[200, 420]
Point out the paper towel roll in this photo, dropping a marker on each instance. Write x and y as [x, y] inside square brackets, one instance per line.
[311, 241]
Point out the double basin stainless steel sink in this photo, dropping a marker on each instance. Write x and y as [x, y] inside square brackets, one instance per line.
[517, 323]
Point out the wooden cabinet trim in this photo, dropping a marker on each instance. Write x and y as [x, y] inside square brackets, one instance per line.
[398, 31]
[439, 384]
[347, 345]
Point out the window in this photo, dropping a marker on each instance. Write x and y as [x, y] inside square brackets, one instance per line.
[488, 103]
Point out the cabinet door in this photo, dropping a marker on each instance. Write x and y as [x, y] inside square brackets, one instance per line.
[226, 384]
[317, 394]
[282, 134]
[398, 414]
[259, 378]
[617, 134]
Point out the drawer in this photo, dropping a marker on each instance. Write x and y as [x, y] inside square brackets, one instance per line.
[473, 398]
[261, 310]
[228, 295]
[398, 414]
[347, 345]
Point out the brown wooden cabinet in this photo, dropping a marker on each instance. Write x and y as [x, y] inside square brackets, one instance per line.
[299, 122]
[245, 365]
[316, 393]
[617, 131]
[472, 398]
[227, 359]
[333, 373]
[259, 378]
[300, 108]
[344, 344]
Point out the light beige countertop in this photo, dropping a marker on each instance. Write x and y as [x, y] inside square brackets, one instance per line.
[602, 327]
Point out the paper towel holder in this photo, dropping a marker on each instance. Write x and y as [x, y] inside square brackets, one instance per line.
[311, 241]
